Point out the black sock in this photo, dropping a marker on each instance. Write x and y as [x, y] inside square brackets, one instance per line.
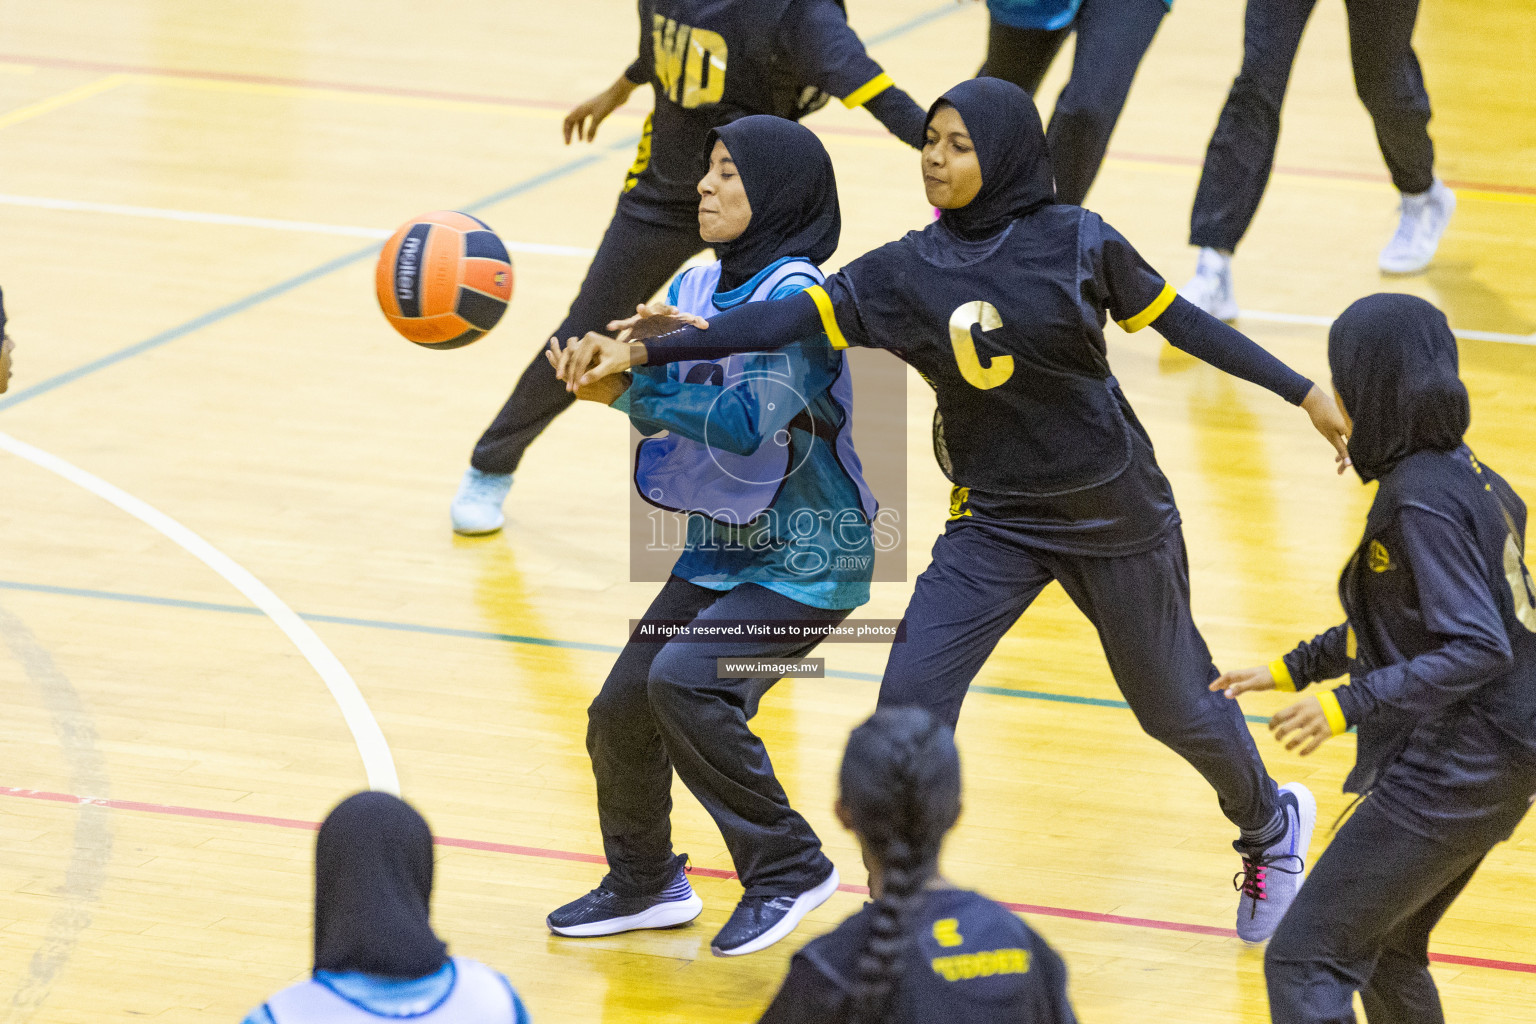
[1266, 836]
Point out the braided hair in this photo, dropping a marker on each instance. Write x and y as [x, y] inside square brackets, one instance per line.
[900, 791]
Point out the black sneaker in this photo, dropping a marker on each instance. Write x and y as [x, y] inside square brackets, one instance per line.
[605, 912]
[760, 921]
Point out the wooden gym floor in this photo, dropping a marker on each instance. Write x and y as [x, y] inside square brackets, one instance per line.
[189, 196]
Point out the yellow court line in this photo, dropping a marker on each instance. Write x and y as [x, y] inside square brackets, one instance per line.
[7, 68]
[1494, 197]
[64, 99]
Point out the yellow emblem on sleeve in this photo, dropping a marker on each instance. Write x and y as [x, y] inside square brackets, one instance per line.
[1377, 557]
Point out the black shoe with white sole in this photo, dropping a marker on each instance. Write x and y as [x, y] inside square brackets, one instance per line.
[760, 921]
[605, 912]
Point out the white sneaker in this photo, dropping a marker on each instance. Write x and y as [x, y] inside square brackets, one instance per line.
[1422, 220]
[1211, 287]
[476, 509]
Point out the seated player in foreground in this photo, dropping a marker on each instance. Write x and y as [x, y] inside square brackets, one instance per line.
[923, 950]
[376, 956]
[1000, 305]
[1439, 647]
[759, 454]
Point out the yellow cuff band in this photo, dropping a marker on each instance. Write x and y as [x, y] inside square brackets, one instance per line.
[1282, 676]
[1335, 714]
[868, 91]
[823, 302]
[1152, 312]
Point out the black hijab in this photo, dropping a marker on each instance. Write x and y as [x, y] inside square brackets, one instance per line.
[1394, 363]
[788, 177]
[373, 888]
[1016, 173]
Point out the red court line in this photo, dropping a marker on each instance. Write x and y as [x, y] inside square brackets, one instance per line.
[594, 858]
[514, 101]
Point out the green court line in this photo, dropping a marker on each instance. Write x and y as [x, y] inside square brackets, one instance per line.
[508, 638]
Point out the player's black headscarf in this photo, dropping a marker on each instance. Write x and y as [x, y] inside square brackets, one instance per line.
[1016, 175]
[1394, 363]
[789, 181]
[373, 889]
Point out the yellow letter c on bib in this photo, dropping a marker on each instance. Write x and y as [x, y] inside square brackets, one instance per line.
[960, 323]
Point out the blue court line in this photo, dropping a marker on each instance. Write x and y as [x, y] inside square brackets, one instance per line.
[510, 638]
[284, 287]
[324, 269]
[912, 23]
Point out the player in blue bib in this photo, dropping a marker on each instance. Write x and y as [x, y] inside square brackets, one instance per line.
[708, 62]
[376, 955]
[1000, 305]
[1439, 643]
[758, 452]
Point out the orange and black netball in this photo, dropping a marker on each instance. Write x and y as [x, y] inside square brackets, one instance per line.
[444, 279]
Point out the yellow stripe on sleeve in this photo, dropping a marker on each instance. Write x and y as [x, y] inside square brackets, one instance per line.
[1282, 676]
[823, 302]
[1152, 312]
[868, 91]
[1335, 714]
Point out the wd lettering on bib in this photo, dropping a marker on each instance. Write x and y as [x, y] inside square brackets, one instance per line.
[690, 62]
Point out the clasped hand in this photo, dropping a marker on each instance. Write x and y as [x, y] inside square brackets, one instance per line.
[583, 362]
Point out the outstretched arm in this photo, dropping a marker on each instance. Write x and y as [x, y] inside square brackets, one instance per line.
[1140, 296]
[750, 327]
[1192, 329]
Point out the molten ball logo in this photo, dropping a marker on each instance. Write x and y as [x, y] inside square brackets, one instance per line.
[405, 269]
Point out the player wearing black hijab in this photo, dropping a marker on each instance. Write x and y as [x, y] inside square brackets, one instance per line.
[376, 955]
[759, 454]
[1439, 643]
[1000, 306]
[708, 62]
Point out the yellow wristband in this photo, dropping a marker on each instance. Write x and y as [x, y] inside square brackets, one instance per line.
[1335, 714]
[1282, 676]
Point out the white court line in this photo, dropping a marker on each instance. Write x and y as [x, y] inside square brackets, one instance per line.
[377, 761]
[538, 248]
[1327, 321]
[232, 220]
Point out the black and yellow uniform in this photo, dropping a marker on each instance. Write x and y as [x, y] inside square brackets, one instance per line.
[708, 62]
[973, 961]
[1000, 305]
[1439, 644]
